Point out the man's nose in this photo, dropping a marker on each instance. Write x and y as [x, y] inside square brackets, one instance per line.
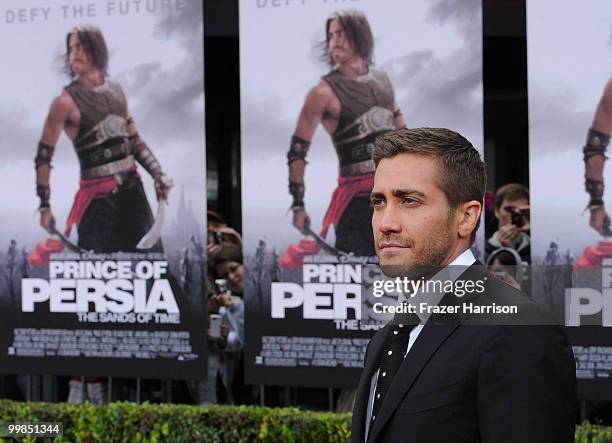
[389, 221]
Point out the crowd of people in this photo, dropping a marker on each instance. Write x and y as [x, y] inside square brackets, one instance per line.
[225, 379]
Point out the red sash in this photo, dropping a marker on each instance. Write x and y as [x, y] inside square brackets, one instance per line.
[88, 190]
[347, 189]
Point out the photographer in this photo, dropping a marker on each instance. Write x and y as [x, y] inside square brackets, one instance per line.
[225, 340]
[512, 213]
[219, 234]
[228, 266]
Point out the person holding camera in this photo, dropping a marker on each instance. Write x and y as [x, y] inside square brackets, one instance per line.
[512, 213]
[219, 234]
[228, 266]
[225, 339]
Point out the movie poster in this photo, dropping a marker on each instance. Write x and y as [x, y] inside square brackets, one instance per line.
[570, 121]
[308, 285]
[102, 122]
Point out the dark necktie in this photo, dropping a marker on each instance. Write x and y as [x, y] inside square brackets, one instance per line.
[391, 359]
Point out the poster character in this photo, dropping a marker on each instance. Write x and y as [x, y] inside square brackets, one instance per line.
[596, 146]
[354, 103]
[110, 209]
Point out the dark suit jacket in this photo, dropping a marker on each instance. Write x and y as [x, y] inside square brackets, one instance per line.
[465, 382]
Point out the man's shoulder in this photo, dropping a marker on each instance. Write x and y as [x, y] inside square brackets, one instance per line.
[497, 291]
[63, 96]
[63, 101]
[498, 303]
[321, 92]
[323, 87]
[516, 307]
[504, 314]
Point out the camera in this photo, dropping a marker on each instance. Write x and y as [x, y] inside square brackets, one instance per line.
[517, 218]
[221, 286]
[218, 238]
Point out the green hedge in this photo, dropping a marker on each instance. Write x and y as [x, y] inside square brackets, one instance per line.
[130, 422]
[588, 433]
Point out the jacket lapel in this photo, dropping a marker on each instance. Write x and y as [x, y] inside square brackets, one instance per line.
[435, 332]
[363, 390]
[437, 329]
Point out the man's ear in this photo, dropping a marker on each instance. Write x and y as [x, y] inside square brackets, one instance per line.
[468, 214]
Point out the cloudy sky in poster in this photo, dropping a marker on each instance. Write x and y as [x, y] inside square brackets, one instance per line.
[432, 51]
[569, 63]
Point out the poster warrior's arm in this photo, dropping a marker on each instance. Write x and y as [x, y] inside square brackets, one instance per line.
[144, 156]
[598, 138]
[310, 117]
[54, 124]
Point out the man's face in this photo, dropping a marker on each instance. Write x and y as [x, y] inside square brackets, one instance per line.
[504, 212]
[412, 222]
[77, 56]
[340, 48]
[233, 272]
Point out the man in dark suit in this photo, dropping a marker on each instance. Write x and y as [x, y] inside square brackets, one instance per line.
[456, 374]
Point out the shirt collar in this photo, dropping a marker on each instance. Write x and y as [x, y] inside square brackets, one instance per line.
[466, 258]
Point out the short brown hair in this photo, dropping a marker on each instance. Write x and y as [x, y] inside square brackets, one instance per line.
[462, 174]
[93, 44]
[511, 191]
[357, 31]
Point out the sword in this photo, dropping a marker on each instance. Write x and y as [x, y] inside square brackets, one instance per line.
[151, 237]
[306, 230]
[66, 241]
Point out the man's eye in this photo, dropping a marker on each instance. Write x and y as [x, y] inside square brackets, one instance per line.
[375, 202]
[408, 201]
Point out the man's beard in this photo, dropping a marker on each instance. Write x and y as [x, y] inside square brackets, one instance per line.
[428, 254]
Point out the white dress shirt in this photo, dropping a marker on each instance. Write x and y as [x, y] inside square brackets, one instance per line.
[452, 272]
